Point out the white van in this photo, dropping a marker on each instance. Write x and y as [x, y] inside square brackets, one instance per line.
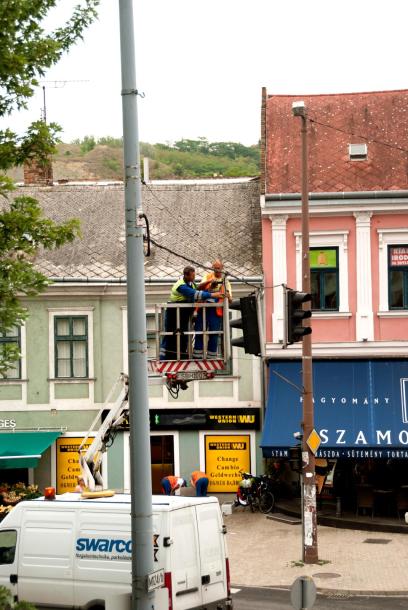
[76, 553]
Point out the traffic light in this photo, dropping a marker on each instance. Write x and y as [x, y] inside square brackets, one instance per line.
[295, 458]
[295, 314]
[249, 323]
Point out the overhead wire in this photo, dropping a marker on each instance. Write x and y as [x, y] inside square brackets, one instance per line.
[202, 265]
[358, 135]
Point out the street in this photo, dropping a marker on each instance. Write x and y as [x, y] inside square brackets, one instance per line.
[278, 599]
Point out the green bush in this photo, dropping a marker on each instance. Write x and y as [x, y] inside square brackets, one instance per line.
[7, 603]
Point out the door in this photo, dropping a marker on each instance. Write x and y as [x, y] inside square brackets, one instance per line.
[8, 560]
[185, 560]
[212, 553]
[162, 452]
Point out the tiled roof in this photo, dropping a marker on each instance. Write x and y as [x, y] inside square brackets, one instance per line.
[199, 221]
[381, 116]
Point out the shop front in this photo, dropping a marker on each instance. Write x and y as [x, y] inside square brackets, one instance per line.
[221, 442]
[361, 416]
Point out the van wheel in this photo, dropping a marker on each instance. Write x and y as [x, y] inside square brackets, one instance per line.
[99, 607]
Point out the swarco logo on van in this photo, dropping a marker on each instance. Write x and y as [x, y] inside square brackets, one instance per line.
[111, 549]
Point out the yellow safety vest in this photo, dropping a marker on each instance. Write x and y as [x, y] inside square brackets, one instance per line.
[175, 296]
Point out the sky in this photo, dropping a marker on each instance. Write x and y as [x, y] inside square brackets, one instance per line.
[202, 64]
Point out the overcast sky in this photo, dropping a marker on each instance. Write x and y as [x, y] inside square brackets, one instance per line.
[201, 64]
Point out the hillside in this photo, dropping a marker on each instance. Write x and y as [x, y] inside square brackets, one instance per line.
[91, 159]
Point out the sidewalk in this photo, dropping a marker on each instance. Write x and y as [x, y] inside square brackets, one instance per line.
[262, 553]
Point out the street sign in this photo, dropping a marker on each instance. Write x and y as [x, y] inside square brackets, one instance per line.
[303, 593]
[314, 441]
[155, 580]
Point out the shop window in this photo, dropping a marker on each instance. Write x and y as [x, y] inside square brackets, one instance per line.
[10, 341]
[398, 277]
[8, 541]
[71, 346]
[324, 276]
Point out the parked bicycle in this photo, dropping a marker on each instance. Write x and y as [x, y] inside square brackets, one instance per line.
[256, 492]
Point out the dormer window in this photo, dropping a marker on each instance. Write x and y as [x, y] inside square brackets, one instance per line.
[357, 152]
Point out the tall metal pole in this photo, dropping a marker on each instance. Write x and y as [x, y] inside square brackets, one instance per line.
[310, 552]
[140, 469]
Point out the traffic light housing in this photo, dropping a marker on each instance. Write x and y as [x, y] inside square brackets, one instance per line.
[295, 458]
[295, 314]
[248, 323]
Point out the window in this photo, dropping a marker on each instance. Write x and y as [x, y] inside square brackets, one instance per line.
[324, 276]
[11, 341]
[398, 277]
[8, 541]
[71, 346]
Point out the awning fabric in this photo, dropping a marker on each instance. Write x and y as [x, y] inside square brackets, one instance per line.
[361, 408]
[24, 449]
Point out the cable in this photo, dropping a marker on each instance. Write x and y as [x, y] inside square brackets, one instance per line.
[352, 133]
[201, 265]
[183, 225]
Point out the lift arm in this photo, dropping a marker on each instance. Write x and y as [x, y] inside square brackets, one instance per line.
[90, 459]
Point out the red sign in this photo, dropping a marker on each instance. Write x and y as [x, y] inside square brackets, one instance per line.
[399, 256]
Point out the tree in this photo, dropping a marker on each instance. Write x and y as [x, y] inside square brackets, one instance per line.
[26, 52]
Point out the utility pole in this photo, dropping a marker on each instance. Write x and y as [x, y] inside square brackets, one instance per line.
[140, 469]
[310, 551]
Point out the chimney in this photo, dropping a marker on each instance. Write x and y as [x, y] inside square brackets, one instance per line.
[38, 173]
[146, 175]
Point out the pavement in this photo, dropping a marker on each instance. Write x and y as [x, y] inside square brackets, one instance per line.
[267, 553]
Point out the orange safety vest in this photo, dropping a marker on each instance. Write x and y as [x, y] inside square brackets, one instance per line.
[197, 475]
[173, 482]
[209, 279]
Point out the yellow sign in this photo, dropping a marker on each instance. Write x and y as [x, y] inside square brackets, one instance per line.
[225, 456]
[314, 441]
[68, 469]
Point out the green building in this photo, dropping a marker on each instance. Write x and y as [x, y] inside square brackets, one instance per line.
[74, 343]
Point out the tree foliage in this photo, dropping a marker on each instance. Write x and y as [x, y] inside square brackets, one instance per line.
[23, 231]
[27, 50]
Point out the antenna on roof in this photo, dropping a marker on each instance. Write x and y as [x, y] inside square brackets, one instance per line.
[54, 84]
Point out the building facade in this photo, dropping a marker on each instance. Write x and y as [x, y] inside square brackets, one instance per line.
[74, 343]
[358, 183]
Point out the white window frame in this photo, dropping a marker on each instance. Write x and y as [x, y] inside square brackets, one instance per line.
[387, 237]
[9, 405]
[67, 403]
[328, 239]
[126, 455]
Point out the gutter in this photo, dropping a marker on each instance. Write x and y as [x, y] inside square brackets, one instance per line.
[122, 281]
[338, 196]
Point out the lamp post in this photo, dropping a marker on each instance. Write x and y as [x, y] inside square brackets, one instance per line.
[309, 516]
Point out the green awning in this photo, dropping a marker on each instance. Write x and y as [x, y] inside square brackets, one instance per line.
[24, 449]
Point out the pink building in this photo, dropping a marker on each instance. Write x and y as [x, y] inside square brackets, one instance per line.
[358, 182]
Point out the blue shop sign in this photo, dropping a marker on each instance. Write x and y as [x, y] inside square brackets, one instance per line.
[360, 406]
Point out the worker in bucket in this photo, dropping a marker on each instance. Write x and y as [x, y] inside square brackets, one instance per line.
[215, 282]
[183, 291]
[171, 484]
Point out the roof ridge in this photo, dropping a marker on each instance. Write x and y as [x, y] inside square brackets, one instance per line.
[299, 95]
